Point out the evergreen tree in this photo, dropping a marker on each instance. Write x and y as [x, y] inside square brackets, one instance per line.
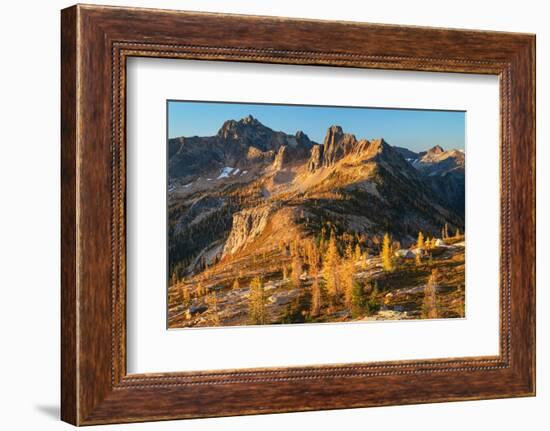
[386, 254]
[257, 303]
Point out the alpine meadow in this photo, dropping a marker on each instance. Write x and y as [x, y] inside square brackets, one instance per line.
[284, 214]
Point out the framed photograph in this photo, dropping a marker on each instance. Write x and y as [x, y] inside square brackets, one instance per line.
[266, 215]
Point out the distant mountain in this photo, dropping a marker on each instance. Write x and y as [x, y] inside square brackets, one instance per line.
[406, 153]
[443, 171]
[249, 187]
[243, 144]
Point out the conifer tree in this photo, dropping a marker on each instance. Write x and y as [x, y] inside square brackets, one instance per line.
[457, 234]
[420, 241]
[313, 256]
[347, 270]
[316, 298]
[185, 295]
[429, 305]
[386, 254]
[297, 269]
[331, 263]
[212, 301]
[357, 252]
[257, 302]
[173, 279]
[200, 290]
[236, 284]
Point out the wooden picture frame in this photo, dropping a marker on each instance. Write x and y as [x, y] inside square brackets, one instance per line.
[95, 43]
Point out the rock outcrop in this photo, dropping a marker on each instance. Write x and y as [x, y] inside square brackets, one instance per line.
[337, 145]
[247, 225]
[281, 158]
[316, 158]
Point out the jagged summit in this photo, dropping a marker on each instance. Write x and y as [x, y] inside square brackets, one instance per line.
[338, 144]
[243, 143]
[232, 128]
[437, 155]
[249, 119]
[437, 149]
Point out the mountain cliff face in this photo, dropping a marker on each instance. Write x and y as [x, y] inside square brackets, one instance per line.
[248, 188]
[247, 225]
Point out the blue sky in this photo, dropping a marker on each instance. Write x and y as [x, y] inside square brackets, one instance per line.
[414, 129]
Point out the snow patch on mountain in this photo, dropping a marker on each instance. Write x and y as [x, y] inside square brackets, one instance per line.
[225, 172]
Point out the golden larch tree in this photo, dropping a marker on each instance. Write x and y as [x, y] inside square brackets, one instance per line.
[297, 269]
[386, 254]
[212, 302]
[285, 272]
[331, 263]
[316, 298]
[257, 302]
[200, 289]
[184, 293]
[357, 253]
[420, 241]
[429, 305]
[347, 271]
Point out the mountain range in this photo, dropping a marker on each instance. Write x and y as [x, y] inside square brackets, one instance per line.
[247, 188]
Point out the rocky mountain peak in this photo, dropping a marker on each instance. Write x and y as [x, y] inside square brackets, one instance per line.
[436, 150]
[337, 145]
[335, 130]
[235, 129]
[249, 119]
[316, 158]
[301, 135]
